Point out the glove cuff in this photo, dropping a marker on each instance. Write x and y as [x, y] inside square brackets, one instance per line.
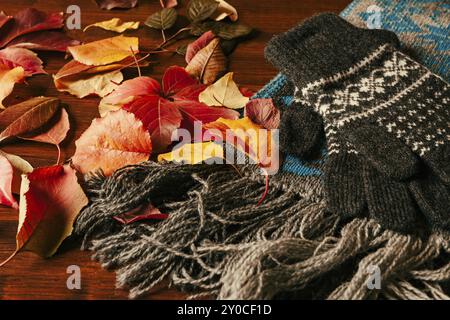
[325, 46]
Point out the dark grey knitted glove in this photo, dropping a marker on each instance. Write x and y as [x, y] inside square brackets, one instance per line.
[386, 120]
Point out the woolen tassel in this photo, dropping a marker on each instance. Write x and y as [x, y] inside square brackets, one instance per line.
[217, 242]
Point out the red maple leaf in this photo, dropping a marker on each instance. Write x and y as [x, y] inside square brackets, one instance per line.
[164, 109]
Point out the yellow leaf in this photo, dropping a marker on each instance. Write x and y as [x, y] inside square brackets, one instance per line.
[98, 84]
[250, 138]
[224, 92]
[225, 10]
[9, 77]
[115, 24]
[105, 51]
[193, 153]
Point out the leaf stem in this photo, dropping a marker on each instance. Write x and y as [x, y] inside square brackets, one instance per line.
[163, 35]
[176, 34]
[59, 153]
[9, 258]
[136, 61]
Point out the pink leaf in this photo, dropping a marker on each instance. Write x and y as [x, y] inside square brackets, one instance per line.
[263, 112]
[44, 41]
[111, 4]
[143, 212]
[136, 87]
[11, 168]
[198, 44]
[30, 20]
[168, 3]
[6, 177]
[18, 57]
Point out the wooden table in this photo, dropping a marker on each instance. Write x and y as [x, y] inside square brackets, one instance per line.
[29, 277]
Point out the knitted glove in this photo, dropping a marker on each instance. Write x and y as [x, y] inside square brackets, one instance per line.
[381, 110]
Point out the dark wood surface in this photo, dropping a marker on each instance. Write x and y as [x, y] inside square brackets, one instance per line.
[29, 277]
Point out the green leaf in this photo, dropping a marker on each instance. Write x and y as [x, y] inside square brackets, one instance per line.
[198, 29]
[163, 19]
[199, 10]
[224, 30]
[181, 50]
[228, 31]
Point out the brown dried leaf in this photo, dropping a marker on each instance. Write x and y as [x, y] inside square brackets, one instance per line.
[208, 63]
[27, 116]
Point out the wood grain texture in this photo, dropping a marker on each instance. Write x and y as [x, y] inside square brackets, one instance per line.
[30, 277]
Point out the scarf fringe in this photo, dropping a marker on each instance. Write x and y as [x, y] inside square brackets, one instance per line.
[216, 241]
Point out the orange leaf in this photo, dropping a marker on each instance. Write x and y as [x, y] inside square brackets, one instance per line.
[50, 200]
[111, 142]
[105, 51]
[8, 78]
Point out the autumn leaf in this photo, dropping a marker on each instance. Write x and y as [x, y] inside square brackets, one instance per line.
[263, 112]
[82, 86]
[193, 153]
[144, 212]
[250, 138]
[208, 63]
[26, 117]
[106, 51]
[111, 142]
[8, 78]
[224, 10]
[44, 41]
[224, 92]
[127, 92]
[198, 44]
[174, 105]
[55, 134]
[4, 18]
[168, 3]
[30, 20]
[159, 117]
[75, 68]
[199, 10]
[162, 20]
[19, 57]
[222, 29]
[112, 4]
[11, 167]
[115, 24]
[50, 200]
